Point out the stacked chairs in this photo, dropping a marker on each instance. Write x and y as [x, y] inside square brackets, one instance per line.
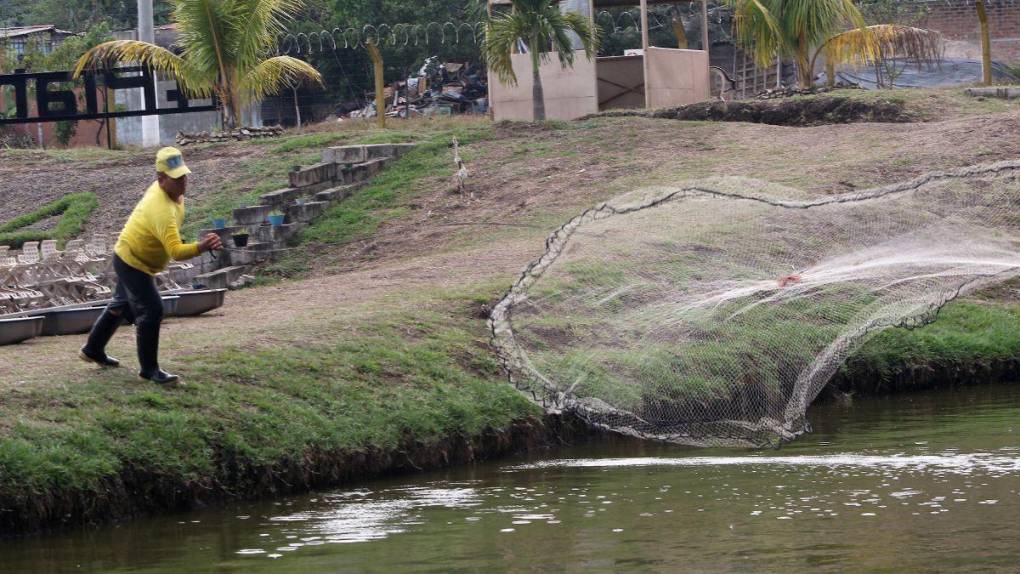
[43, 276]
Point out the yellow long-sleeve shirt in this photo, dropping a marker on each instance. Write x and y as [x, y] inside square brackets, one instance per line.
[151, 236]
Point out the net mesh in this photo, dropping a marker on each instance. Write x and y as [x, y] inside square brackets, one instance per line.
[714, 314]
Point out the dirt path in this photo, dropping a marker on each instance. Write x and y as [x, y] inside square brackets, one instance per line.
[524, 183]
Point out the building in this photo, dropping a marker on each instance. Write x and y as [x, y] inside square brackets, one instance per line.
[654, 77]
[19, 40]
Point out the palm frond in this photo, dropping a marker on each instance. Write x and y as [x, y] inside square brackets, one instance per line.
[865, 46]
[275, 74]
[258, 23]
[204, 27]
[540, 25]
[501, 37]
[757, 30]
[106, 55]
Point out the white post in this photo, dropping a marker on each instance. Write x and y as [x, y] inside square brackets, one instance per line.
[644, 50]
[146, 33]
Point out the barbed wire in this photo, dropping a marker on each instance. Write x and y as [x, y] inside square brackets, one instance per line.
[397, 35]
[456, 33]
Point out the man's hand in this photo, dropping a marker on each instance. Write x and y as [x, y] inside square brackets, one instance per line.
[211, 242]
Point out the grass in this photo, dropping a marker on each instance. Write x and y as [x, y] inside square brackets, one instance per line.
[385, 196]
[966, 333]
[932, 104]
[304, 147]
[74, 209]
[266, 403]
[426, 374]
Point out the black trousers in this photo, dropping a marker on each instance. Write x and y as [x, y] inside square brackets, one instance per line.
[138, 302]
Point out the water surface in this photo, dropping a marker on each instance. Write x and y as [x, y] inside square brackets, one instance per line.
[919, 482]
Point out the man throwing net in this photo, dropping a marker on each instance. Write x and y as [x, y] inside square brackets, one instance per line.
[150, 239]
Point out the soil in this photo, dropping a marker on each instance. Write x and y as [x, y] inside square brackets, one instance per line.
[816, 111]
[33, 179]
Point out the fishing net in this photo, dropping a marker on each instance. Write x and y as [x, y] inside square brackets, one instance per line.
[714, 314]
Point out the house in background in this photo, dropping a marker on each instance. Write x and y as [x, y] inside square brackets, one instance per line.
[18, 40]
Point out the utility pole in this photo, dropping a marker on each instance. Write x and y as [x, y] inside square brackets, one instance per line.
[147, 33]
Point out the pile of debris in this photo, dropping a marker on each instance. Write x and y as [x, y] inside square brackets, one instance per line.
[239, 134]
[789, 91]
[438, 89]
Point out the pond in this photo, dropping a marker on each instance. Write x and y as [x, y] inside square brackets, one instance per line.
[905, 483]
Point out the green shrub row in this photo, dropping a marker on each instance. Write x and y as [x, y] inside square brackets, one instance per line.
[76, 209]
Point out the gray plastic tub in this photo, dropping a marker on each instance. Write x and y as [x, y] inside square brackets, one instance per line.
[69, 321]
[13, 331]
[170, 303]
[192, 303]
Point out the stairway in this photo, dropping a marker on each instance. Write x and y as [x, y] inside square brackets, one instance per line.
[342, 171]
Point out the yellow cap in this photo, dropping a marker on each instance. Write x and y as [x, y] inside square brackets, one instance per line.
[170, 161]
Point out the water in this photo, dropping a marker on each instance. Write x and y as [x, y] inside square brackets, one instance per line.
[909, 483]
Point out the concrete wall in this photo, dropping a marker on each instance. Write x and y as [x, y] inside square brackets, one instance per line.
[677, 77]
[569, 93]
[616, 71]
[129, 130]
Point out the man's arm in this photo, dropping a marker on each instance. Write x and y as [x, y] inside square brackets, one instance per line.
[170, 237]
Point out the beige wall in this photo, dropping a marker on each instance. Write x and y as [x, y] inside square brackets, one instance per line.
[569, 93]
[677, 77]
[616, 71]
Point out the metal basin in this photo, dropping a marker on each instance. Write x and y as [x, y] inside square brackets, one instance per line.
[170, 304]
[193, 303]
[69, 321]
[14, 331]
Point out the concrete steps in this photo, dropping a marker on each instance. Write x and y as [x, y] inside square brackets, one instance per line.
[221, 278]
[342, 171]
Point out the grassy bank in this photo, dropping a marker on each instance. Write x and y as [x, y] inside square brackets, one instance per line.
[255, 420]
[363, 361]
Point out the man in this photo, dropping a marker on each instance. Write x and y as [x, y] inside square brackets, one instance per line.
[149, 240]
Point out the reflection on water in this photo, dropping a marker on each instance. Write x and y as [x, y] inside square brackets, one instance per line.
[909, 483]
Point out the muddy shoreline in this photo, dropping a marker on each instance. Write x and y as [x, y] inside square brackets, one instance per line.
[138, 492]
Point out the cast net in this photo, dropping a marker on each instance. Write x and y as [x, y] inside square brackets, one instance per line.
[714, 314]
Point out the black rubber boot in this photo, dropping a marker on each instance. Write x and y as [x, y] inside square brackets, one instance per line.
[147, 337]
[161, 377]
[102, 331]
[103, 360]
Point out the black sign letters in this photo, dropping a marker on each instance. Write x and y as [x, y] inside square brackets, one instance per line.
[56, 100]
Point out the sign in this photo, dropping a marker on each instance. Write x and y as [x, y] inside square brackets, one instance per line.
[56, 101]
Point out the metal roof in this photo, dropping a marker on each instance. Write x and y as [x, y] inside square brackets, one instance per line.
[18, 31]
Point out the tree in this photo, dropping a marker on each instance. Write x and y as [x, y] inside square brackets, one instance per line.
[986, 43]
[883, 45]
[77, 15]
[539, 24]
[225, 47]
[792, 29]
[348, 72]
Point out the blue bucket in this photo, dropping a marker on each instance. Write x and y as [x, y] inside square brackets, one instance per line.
[276, 220]
[219, 223]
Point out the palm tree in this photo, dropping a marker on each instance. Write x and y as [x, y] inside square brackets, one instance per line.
[792, 29]
[225, 47]
[878, 45]
[539, 24]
